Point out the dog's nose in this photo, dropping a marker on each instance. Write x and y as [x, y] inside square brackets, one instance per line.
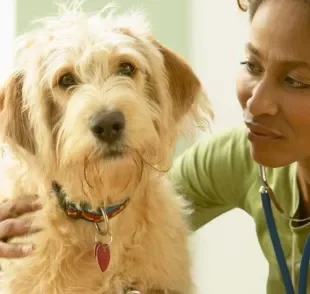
[107, 126]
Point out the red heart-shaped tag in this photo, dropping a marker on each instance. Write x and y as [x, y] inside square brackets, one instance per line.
[102, 254]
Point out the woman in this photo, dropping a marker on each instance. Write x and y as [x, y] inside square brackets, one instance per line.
[273, 89]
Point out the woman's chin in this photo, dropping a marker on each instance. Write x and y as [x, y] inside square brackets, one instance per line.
[270, 159]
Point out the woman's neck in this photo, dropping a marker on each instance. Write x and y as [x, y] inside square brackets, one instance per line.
[303, 179]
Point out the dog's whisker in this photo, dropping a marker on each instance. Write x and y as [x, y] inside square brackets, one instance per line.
[141, 169]
[99, 175]
[85, 172]
[153, 166]
[83, 188]
[150, 147]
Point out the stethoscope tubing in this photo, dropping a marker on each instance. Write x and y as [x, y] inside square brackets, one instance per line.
[276, 242]
[304, 267]
[274, 236]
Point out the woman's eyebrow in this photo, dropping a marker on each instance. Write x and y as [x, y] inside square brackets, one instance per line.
[281, 58]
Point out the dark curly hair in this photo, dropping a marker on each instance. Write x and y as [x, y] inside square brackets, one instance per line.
[249, 5]
[252, 5]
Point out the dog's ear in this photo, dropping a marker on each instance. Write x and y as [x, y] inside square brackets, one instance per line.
[186, 90]
[189, 98]
[14, 120]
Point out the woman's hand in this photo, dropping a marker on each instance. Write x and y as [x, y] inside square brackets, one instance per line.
[11, 226]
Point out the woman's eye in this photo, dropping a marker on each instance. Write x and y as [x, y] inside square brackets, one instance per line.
[126, 69]
[295, 84]
[67, 80]
[252, 68]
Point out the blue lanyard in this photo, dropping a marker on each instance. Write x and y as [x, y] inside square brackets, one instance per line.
[305, 259]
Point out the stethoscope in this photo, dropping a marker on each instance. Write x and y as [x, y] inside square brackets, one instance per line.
[267, 197]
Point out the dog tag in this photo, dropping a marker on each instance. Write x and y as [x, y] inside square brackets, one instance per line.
[102, 254]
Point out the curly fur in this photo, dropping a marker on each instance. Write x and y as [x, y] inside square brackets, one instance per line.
[47, 135]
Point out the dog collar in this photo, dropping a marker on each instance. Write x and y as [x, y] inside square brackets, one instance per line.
[102, 214]
[84, 210]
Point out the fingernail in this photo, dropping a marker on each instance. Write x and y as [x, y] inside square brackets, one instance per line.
[27, 249]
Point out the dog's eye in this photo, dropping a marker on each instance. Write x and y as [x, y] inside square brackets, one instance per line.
[126, 69]
[67, 80]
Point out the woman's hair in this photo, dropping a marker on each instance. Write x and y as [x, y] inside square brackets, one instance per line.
[249, 5]
[252, 5]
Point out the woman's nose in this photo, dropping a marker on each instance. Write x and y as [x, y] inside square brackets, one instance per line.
[263, 99]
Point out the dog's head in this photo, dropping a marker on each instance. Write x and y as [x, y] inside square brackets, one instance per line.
[98, 88]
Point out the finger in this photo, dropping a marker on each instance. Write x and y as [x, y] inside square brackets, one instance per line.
[15, 250]
[14, 208]
[13, 227]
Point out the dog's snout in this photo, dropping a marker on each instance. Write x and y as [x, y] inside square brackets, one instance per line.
[107, 126]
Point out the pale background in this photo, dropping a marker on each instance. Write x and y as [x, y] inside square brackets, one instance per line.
[210, 34]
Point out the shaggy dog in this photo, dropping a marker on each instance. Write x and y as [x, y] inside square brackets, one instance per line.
[90, 117]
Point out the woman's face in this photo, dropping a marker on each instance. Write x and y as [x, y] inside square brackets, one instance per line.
[274, 83]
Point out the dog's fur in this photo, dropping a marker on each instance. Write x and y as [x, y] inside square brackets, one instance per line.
[47, 133]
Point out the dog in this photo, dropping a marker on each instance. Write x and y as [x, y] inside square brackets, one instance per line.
[90, 117]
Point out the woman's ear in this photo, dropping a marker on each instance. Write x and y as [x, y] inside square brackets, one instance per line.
[14, 118]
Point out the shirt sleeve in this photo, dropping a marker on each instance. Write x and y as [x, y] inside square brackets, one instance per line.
[211, 175]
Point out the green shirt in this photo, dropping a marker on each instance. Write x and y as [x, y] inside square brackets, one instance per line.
[218, 174]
